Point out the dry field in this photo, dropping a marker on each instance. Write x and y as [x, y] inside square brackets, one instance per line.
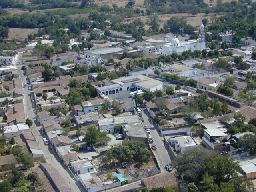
[120, 3]
[194, 20]
[20, 33]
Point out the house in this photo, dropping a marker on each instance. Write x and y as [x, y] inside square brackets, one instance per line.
[55, 178]
[171, 44]
[7, 163]
[159, 180]
[207, 83]
[101, 55]
[16, 114]
[109, 124]
[128, 105]
[215, 135]
[130, 83]
[82, 167]
[60, 140]
[180, 144]
[88, 106]
[66, 154]
[135, 132]
[14, 130]
[88, 118]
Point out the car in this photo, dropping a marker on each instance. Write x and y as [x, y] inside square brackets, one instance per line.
[46, 142]
[148, 131]
[153, 147]
[119, 136]
[168, 167]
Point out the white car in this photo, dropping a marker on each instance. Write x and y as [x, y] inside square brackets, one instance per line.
[46, 142]
[148, 131]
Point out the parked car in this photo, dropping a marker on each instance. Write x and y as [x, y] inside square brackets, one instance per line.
[148, 131]
[153, 147]
[168, 167]
[119, 136]
[46, 142]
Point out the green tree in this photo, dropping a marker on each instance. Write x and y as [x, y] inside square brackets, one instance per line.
[154, 23]
[248, 143]
[192, 187]
[93, 137]
[5, 186]
[169, 90]
[148, 95]
[50, 73]
[29, 122]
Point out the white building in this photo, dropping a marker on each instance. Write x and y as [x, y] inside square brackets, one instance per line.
[129, 83]
[83, 166]
[101, 55]
[208, 83]
[109, 124]
[14, 130]
[181, 143]
[9, 60]
[214, 134]
[172, 44]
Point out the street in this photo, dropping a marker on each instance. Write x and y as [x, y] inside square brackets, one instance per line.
[160, 153]
[29, 113]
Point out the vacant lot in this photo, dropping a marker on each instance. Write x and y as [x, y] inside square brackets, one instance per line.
[20, 33]
[194, 20]
[120, 3]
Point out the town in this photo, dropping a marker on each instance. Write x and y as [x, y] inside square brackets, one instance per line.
[127, 97]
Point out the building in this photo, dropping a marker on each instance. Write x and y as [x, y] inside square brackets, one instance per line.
[55, 178]
[130, 83]
[109, 124]
[207, 83]
[215, 135]
[82, 167]
[135, 132]
[100, 55]
[88, 106]
[159, 180]
[14, 130]
[172, 44]
[181, 144]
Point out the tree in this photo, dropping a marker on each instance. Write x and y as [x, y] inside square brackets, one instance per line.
[195, 164]
[148, 95]
[169, 90]
[225, 90]
[154, 22]
[230, 82]
[158, 93]
[5, 186]
[248, 143]
[116, 106]
[192, 187]
[29, 122]
[3, 32]
[93, 137]
[130, 4]
[50, 73]
[254, 54]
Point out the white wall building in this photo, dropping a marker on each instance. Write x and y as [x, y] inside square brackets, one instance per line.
[172, 44]
[129, 83]
[109, 124]
[83, 166]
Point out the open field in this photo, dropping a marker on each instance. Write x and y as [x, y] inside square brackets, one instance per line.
[194, 20]
[120, 3]
[20, 33]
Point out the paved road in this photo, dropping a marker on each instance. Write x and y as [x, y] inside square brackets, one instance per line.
[29, 113]
[160, 153]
